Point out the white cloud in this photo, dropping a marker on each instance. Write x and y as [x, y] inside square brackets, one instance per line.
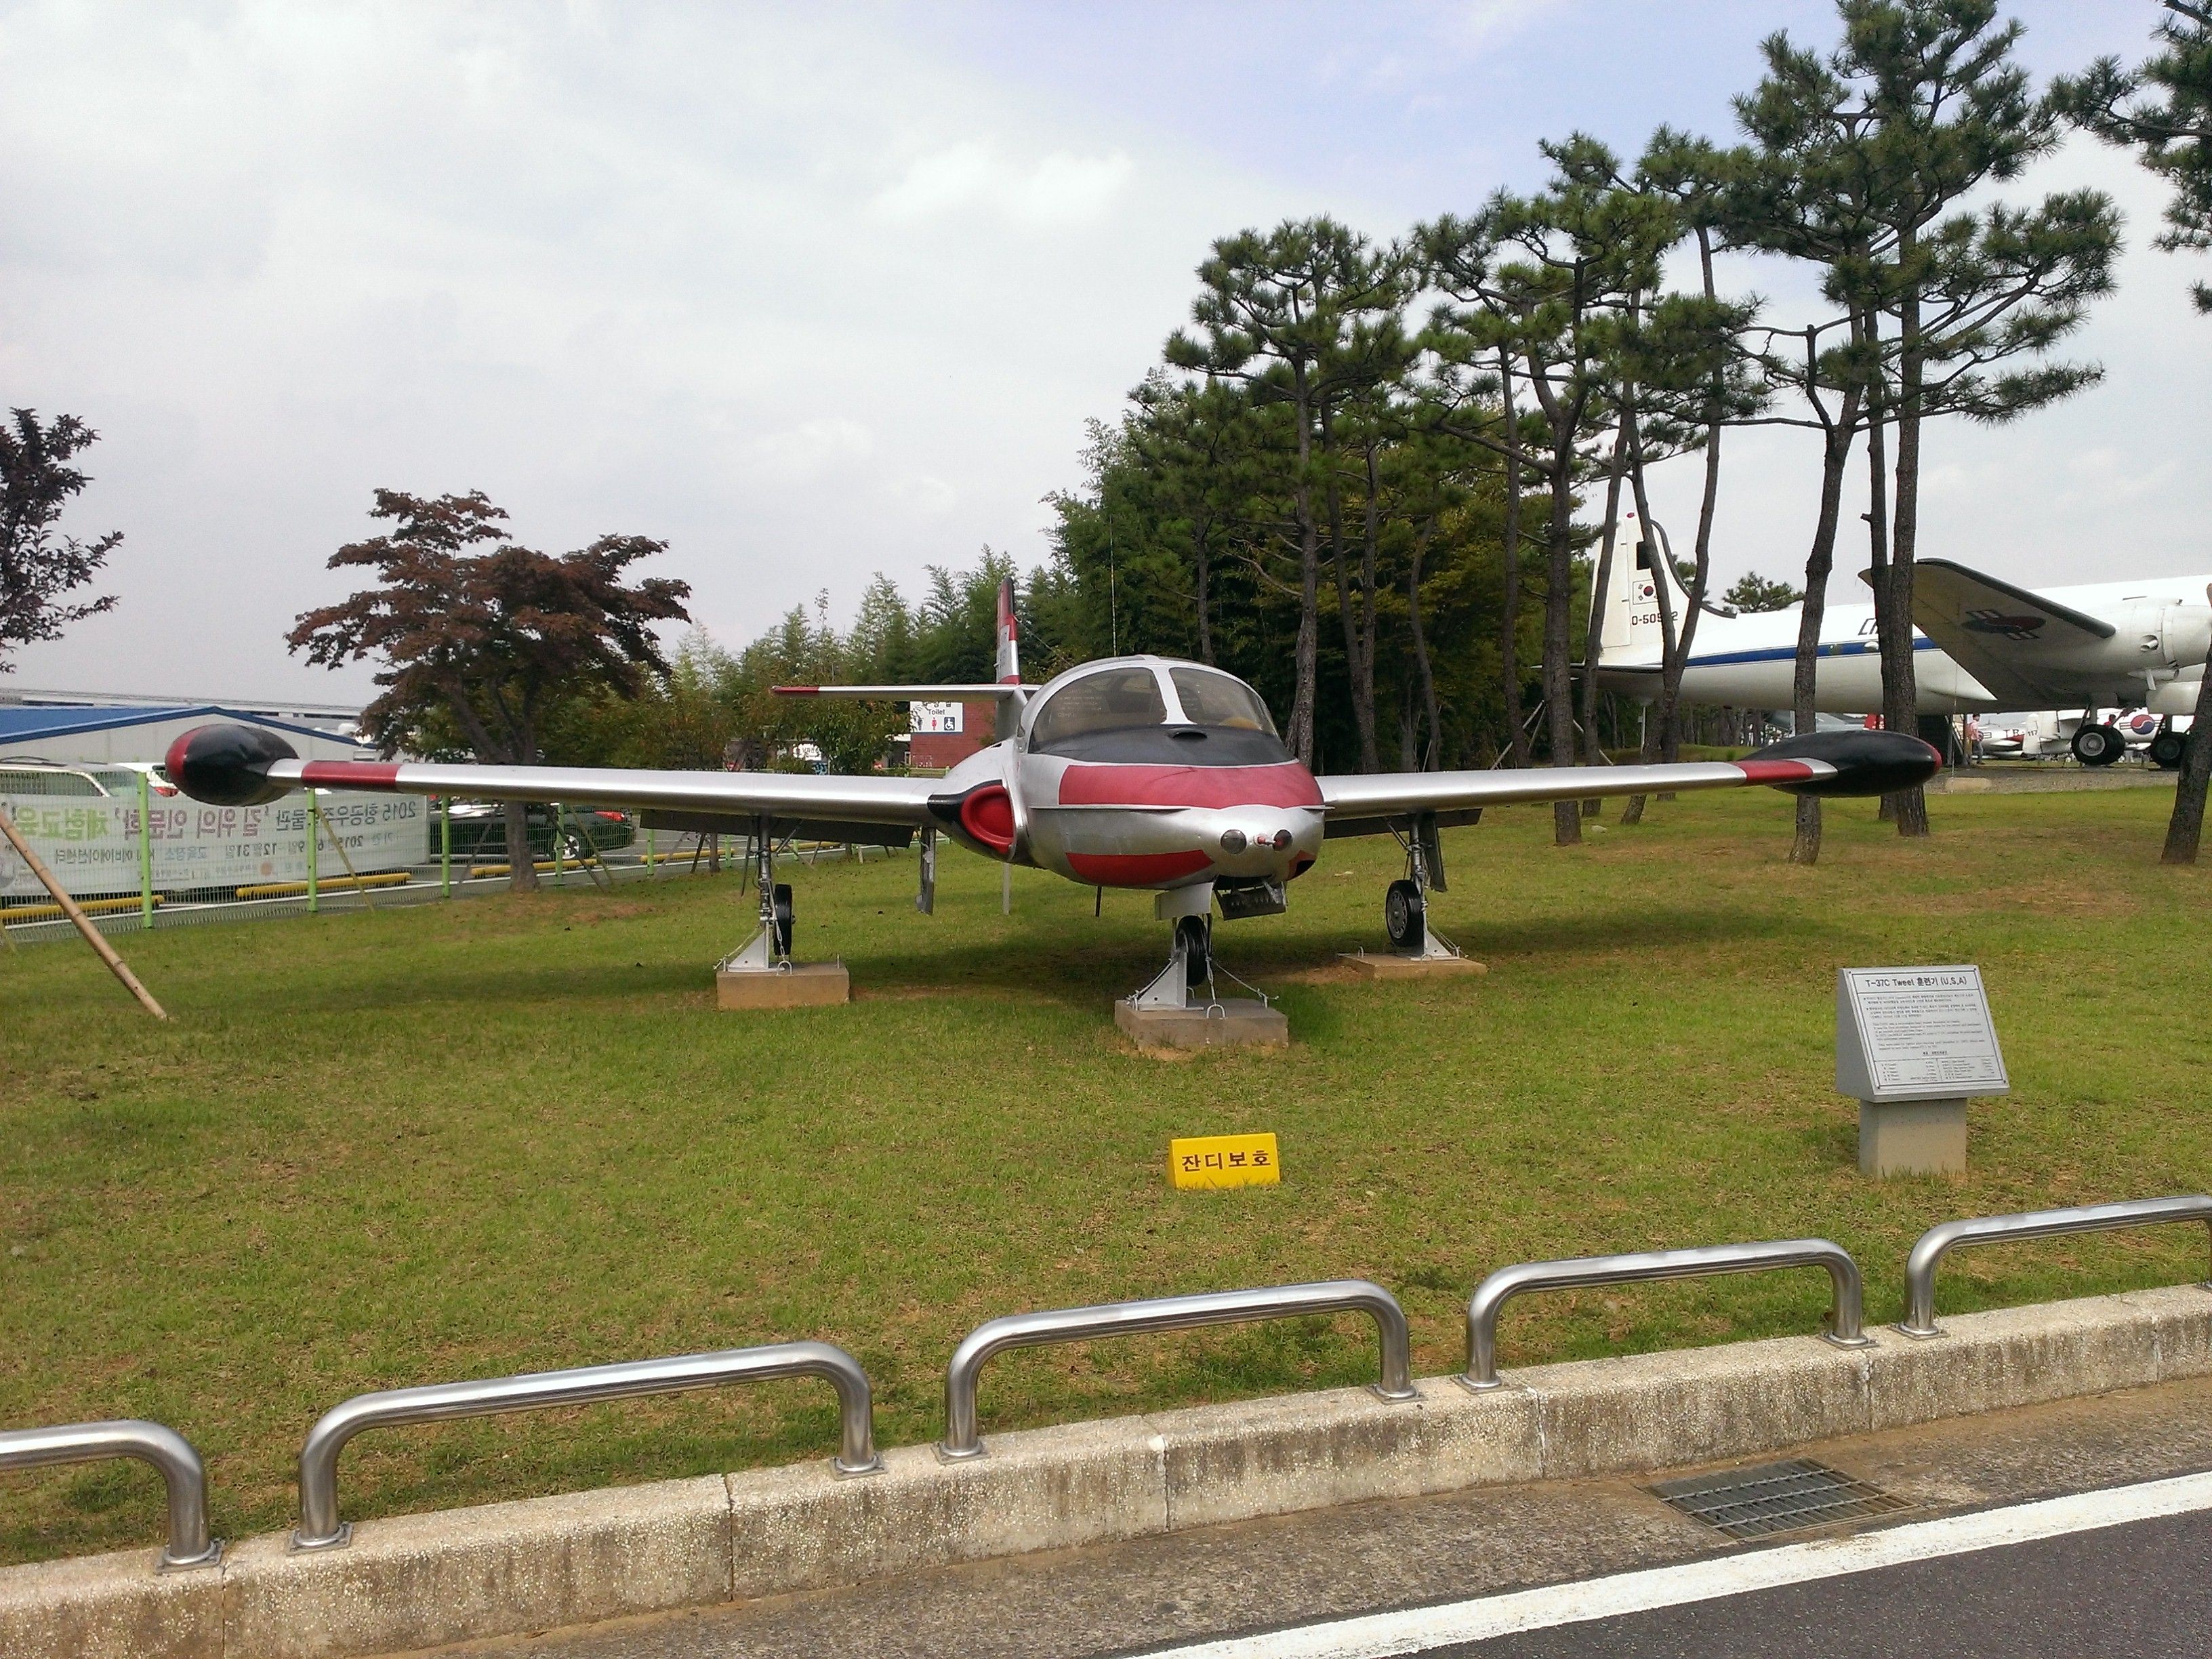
[1476, 25]
[813, 292]
[1056, 189]
[924, 496]
[808, 449]
[793, 294]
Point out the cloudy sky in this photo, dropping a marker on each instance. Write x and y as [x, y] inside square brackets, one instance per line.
[814, 291]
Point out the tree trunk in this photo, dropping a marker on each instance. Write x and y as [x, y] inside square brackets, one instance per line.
[1509, 664]
[1358, 671]
[1676, 662]
[1370, 537]
[521, 862]
[1307, 660]
[1593, 752]
[1424, 671]
[1677, 659]
[1662, 589]
[1558, 688]
[1900, 701]
[1835, 460]
[521, 867]
[1877, 522]
[2187, 826]
[1199, 553]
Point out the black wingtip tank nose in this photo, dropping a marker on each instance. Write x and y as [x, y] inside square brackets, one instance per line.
[229, 765]
[1866, 762]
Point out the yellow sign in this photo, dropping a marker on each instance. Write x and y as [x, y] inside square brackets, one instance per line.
[1223, 1161]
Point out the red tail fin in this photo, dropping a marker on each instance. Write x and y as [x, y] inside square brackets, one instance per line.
[1010, 656]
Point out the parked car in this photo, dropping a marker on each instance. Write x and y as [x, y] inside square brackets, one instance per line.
[480, 830]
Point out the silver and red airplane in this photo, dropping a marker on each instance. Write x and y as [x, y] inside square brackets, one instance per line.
[1131, 772]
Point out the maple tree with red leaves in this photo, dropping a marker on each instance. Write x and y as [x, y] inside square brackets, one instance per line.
[491, 639]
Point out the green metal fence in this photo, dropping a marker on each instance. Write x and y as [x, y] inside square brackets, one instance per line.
[136, 856]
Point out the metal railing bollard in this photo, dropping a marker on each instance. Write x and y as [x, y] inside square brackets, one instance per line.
[169, 1452]
[1938, 1241]
[1846, 1319]
[320, 1530]
[1167, 1313]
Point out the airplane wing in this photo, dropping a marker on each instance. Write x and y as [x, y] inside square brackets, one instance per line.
[978, 690]
[2004, 636]
[1856, 762]
[245, 766]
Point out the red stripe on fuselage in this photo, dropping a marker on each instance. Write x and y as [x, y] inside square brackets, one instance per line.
[1135, 869]
[1776, 771]
[1284, 784]
[351, 774]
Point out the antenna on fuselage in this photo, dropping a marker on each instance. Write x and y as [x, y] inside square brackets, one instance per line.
[1113, 604]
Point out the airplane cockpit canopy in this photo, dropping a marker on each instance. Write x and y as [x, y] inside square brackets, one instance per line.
[1112, 700]
[1212, 699]
[1173, 714]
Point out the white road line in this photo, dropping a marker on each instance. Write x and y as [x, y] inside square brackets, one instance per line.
[1417, 1629]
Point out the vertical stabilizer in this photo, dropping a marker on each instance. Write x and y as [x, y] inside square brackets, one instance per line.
[1629, 630]
[1010, 629]
[1010, 658]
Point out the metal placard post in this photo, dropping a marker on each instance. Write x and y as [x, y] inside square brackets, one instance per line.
[1913, 1045]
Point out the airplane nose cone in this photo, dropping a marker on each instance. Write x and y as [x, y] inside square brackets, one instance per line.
[1263, 842]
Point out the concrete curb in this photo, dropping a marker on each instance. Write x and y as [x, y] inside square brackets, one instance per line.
[505, 1569]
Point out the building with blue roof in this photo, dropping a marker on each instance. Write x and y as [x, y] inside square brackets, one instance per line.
[114, 735]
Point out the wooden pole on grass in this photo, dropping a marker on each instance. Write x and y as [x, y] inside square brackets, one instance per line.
[346, 858]
[92, 935]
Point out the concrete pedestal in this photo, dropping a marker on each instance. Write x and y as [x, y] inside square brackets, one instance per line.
[1236, 1022]
[804, 985]
[1385, 965]
[1912, 1137]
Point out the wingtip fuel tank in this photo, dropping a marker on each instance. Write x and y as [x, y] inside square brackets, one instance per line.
[229, 765]
[1866, 763]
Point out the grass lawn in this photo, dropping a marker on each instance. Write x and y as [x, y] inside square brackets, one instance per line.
[514, 1134]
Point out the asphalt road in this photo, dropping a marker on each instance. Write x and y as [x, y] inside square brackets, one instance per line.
[2116, 1593]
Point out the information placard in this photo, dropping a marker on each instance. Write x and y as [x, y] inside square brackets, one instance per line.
[1916, 1034]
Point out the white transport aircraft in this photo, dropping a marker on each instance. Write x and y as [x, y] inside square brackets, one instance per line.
[1982, 643]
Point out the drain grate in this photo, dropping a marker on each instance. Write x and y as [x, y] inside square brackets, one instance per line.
[1773, 1498]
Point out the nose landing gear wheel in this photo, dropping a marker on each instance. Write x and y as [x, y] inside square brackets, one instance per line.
[783, 918]
[1194, 937]
[1405, 916]
[2097, 745]
[2166, 750]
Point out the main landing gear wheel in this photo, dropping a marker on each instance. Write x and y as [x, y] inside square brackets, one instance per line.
[784, 914]
[1195, 935]
[2166, 750]
[2097, 745]
[1405, 916]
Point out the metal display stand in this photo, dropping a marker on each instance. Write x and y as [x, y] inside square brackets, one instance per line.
[762, 974]
[1182, 1006]
[1418, 951]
